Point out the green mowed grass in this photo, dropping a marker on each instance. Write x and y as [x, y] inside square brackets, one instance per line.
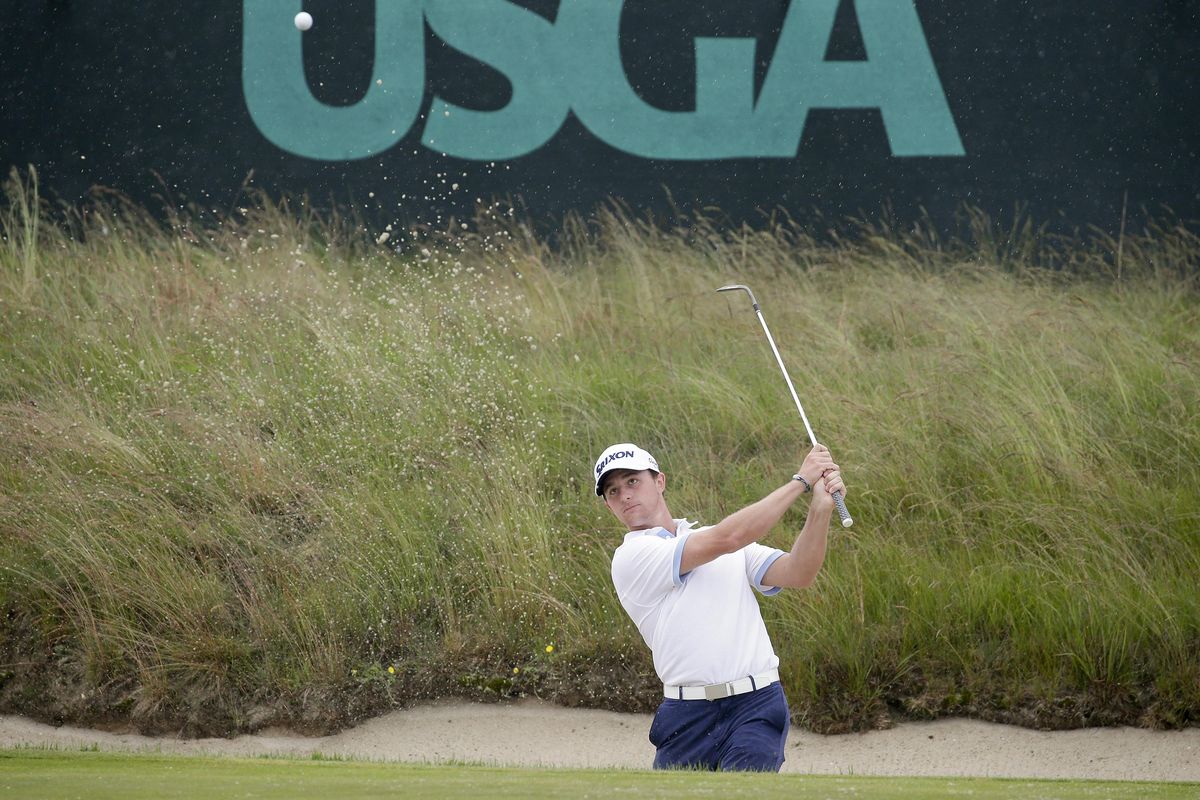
[52, 774]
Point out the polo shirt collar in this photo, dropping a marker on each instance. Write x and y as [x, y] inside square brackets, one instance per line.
[681, 526]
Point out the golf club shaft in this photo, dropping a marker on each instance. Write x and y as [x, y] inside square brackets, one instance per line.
[838, 501]
[812, 437]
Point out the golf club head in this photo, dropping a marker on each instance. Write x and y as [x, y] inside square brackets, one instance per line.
[735, 286]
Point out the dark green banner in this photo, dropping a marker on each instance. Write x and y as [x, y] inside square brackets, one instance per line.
[1077, 111]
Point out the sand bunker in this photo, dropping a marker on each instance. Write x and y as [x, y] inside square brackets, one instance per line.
[533, 733]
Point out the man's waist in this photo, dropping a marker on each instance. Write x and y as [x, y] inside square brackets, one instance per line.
[717, 691]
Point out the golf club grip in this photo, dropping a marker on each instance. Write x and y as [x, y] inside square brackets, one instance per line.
[841, 509]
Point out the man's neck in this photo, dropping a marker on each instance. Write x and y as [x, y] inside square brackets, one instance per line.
[666, 522]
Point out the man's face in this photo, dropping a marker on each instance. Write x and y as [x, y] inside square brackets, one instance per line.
[636, 498]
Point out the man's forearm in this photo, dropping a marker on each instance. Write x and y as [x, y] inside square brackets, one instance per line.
[757, 519]
[808, 551]
[799, 567]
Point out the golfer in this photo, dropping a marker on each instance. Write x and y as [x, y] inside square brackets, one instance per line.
[689, 591]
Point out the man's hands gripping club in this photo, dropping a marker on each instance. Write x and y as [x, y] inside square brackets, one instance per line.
[823, 475]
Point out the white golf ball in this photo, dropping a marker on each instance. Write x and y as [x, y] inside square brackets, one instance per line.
[303, 21]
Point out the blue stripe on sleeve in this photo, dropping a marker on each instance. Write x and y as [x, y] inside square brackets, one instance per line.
[762, 571]
[675, 576]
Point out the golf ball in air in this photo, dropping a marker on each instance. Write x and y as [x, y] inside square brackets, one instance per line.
[303, 21]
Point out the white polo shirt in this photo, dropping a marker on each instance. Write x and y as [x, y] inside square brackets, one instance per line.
[702, 627]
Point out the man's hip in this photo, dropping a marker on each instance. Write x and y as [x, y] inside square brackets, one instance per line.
[718, 691]
[745, 731]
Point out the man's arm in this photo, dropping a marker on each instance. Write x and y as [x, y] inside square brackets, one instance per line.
[739, 529]
[755, 520]
[799, 568]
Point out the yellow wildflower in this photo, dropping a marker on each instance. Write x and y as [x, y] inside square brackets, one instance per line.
[549, 648]
[391, 670]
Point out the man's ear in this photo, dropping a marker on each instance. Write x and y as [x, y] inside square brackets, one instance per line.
[661, 480]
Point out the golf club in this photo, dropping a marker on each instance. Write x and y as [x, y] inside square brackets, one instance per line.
[812, 437]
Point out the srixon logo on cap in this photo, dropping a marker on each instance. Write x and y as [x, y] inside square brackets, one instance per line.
[613, 457]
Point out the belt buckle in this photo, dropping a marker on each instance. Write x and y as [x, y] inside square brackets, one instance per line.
[717, 691]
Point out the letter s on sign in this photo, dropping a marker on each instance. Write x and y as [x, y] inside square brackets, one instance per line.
[522, 45]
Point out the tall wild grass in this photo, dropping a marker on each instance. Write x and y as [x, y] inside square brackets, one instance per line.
[275, 470]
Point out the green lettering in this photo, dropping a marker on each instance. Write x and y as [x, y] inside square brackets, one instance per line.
[521, 45]
[898, 78]
[606, 104]
[283, 107]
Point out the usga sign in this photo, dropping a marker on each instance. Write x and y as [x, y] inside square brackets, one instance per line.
[574, 65]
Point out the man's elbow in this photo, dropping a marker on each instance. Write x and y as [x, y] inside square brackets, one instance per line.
[805, 581]
[741, 536]
[729, 540]
[798, 578]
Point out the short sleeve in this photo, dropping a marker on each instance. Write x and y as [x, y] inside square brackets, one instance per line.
[646, 567]
[759, 559]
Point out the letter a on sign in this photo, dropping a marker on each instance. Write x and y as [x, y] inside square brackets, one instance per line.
[898, 78]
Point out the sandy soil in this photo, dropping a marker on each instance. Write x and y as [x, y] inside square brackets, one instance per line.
[532, 733]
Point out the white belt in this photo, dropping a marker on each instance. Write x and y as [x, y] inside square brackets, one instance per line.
[715, 691]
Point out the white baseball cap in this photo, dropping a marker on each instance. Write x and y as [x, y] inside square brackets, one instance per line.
[623, 456]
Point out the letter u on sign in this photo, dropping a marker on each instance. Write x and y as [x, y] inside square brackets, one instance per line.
[283, 107]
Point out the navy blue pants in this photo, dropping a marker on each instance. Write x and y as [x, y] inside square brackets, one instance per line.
[743, 732]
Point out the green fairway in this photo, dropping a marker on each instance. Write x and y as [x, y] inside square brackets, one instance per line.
[31, 773]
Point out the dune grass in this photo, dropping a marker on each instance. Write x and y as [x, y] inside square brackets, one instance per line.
[29, 773]
[273, 470]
